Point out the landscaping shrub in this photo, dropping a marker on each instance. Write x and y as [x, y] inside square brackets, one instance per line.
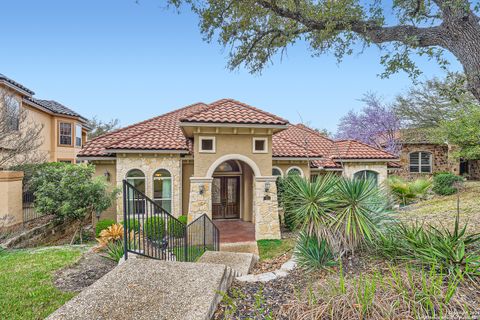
[176, 228]
[111, 241]
[154, 228]
[312, 254]
[444, 183]
[102, 225]
[132, 225]
[407, 192]
[452, 251]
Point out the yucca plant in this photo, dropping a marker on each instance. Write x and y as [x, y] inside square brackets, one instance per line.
[312, 253]
[360, 210]
[310, 204]
[407, 191]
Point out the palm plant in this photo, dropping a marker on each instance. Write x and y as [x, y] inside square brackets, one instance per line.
[361, 209]
[310, 204]
[407, 191]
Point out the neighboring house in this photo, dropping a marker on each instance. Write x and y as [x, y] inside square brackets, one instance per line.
[64, 131]
[421, 155]
[223, 159]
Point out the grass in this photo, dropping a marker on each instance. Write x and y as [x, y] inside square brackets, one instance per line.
[270, 249]
[26, 279]
[441, 210]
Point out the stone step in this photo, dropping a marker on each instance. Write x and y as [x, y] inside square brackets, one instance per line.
[240, 263]
[151, 289]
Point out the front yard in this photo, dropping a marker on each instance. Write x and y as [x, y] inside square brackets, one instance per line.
[26, 278]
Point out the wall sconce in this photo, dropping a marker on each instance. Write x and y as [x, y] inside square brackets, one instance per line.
[201, 190]
[267, 186]
[106, 174]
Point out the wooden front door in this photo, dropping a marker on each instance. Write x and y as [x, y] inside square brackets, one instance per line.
[226, 198]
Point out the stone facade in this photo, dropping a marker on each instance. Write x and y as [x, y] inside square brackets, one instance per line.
[442, 161]
[350, 168]
[200, 198]
[265, 207]
[149, 163]
[474, 169]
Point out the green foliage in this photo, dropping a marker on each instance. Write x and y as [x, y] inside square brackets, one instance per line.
[406, 192]
[154, 228]
[103, 224]
[70, 191]
[177, 228]
[445, 183]
[344, 212]
[313, 254]
[132, 225]
[452, 251]
[29, 171]
[463, 131]
[114, 250]
[270, 249]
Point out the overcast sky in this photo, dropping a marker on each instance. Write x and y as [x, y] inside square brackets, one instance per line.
[119, 59]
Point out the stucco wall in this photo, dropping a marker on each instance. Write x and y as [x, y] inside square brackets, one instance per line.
[149, 163]
[350, 168]
[100, 168]
[232, 144]
[11, 212]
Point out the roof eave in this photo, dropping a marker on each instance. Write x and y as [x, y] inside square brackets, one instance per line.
[23, 91]
[366, 159]
[168, 151]
[230, 124]
[299, 158]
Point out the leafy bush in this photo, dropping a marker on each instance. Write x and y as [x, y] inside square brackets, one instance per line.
[132, 225]
[427, 245]
[444, 183]
[102, 225]
[407, 192]
[176, 228]
[115, 250]
[154, 228]
[312, 254]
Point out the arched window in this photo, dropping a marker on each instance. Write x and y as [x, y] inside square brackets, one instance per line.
[420, 162]
[277, 172]
[162, 189]
[230, 166]
[295, 171]
[137, 179]
[366, 175]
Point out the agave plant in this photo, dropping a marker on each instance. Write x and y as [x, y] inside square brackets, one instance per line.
[360, 211]
[407, 191]
[309, 204]
[312, 253]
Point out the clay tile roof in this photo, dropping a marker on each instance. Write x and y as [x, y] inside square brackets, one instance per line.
[285, 148]
[232, 111]
[166, 125]
[352, 149]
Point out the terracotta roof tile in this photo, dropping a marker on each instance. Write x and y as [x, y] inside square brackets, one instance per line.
[232, 111]
[285, 148]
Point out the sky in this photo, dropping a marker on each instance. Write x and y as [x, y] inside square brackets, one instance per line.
[132, 61]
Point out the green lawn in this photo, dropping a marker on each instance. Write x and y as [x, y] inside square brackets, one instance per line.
[26, 281]
[270, 249]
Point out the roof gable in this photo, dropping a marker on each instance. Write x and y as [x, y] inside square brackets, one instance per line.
[235, 112]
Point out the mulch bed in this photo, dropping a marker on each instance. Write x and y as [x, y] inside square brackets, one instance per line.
[91, 267]
[258, 300]
[271, 264]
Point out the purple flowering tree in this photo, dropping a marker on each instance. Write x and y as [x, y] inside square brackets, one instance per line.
[376, 124]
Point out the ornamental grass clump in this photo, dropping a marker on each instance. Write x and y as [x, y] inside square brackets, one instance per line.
[406, 192]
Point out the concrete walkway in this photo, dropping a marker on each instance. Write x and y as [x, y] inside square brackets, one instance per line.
[151, 289]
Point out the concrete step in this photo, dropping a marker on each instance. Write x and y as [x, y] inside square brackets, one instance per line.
[151, 289]
[240, 263]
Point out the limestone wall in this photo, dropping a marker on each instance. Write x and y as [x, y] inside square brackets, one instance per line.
[149, 163]
[265, 206]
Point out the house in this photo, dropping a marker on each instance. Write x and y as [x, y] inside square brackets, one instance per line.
[223, 159]
[421, 155]
[64, 131]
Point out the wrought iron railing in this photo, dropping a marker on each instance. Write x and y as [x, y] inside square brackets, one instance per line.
[29, 212]
[151, 231]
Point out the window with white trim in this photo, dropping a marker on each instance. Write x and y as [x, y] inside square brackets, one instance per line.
[420, 162]
[294, 171]
[78, 135]
[207, 144]
[13, 113]
[137, 179]
[277, 172]
[162, 189]
[260, 145]
[366, 175]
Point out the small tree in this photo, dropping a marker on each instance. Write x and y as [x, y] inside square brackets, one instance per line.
[376, 124]
[98, 127]
[19, 137]
[71, 192]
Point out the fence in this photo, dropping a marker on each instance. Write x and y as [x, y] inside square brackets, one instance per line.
[151, 231]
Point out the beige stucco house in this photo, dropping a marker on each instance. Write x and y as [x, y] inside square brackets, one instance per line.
[64, 131]
[222, 159]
